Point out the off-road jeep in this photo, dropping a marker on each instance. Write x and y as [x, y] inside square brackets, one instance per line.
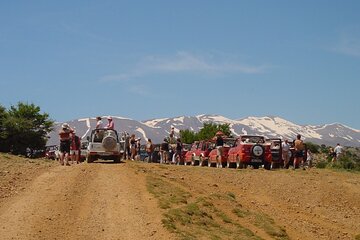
[250, 150]
[213, 155]
[104, 144]
[199, 153]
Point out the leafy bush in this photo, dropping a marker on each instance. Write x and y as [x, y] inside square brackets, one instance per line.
[321, 164]
[208, 131]
[314, 148]
[23, 126]
[347, 161]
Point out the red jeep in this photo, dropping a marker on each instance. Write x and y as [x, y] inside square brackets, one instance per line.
[199, 152]
[250, 150]
[189, 155]
[213, 155]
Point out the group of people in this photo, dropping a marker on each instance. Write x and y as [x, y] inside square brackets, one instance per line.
[299, 153]
[69, 145]
[170, 150]
[100, 124]
[133, 144]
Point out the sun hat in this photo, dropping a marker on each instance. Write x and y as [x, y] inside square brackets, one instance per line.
[109, 118]
[65, 125]
[219, 133]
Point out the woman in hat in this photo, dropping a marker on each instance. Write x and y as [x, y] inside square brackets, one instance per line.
[110, 124]
[65, 139]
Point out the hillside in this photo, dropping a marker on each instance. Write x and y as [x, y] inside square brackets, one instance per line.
[157, 129]
[135, 200]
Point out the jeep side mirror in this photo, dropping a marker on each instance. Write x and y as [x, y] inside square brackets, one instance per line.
[88, 138]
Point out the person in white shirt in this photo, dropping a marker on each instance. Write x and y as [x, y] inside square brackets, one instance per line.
[99, 123]
[338, 150]
[309, 158]
[285, 152]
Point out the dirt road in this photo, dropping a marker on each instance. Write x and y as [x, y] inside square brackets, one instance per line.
[86, 201]
[135, 200]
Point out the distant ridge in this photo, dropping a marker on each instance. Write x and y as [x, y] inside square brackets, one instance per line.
[270, 126]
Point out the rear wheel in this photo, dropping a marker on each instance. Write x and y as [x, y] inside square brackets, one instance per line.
[267, 165]
[242, 165]
[90, 159]
[117, 159]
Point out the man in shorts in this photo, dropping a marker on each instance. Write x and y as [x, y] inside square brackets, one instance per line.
[164, 149]
[219, 146]
[299, 151]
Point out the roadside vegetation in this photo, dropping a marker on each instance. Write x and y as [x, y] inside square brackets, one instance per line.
[208, 131]
[349, 159]
[21, 126]
[204, 216]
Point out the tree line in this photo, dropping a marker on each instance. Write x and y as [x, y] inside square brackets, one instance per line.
[22, 126]
[208, 131]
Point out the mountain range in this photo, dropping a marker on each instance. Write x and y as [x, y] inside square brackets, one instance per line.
[269, 126]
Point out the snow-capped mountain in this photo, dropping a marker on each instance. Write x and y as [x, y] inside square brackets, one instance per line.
[271, 126]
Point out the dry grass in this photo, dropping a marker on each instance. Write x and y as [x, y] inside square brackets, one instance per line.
[201, 217]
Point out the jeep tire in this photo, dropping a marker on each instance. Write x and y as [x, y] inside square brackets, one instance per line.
[267, 165]
[90, 158]
[117, 158]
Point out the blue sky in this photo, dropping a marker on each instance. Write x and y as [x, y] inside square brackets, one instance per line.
[299, 60]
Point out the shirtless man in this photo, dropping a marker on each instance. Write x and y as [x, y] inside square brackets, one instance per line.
[299, 151]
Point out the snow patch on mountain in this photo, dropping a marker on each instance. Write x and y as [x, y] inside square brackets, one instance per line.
[142, 132]
[179, 119]
[154, 122]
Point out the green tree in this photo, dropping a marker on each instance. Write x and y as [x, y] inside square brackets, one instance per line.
[208, 131]
[188, 136]
[314, 148]
[24, 126]
[3, 115]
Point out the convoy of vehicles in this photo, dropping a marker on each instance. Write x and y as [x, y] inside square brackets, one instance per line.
[240, 152]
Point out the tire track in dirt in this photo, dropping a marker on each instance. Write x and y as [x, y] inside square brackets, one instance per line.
[87, 201]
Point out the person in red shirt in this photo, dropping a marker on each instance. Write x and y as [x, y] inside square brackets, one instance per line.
[75, 147]
[64, 135]
[110, 124]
